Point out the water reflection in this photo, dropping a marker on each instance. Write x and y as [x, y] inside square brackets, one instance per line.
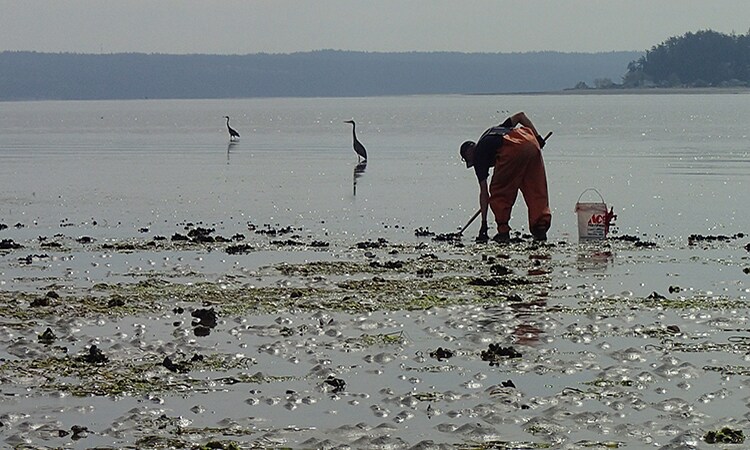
[591, 259]
[527, 311]
[229, 148]
[520, 318]
[359, 170]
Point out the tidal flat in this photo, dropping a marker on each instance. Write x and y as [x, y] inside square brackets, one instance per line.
[250, 336]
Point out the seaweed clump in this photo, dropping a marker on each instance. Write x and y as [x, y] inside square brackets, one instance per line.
[724, 436]
[423, 232]
[696, 238]
[448, 237]
[9, 244]
[495, 353]
[238, 249]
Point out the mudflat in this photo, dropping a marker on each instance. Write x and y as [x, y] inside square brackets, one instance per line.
[279, 336]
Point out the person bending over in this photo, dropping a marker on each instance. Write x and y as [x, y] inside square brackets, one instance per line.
[513, 150]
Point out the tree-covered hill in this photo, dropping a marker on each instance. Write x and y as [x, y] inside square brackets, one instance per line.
[702, 59]
[324, 73]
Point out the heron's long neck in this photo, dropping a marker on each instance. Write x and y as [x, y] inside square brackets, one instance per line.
[354, 131]
[227, 121]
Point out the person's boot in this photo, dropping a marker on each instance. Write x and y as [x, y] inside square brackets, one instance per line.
[539, 234]
[502, 238]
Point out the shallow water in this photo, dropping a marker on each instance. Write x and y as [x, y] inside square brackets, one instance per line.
[621, 344]
[669, 164]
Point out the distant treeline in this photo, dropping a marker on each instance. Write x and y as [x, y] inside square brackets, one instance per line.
[701, 59]
[325, 73]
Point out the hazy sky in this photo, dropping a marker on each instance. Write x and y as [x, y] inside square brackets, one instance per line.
[284, 26]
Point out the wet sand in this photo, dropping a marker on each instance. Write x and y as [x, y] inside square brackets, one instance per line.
[219, 336]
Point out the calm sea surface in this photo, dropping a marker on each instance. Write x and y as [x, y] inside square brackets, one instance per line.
[671, 165]
[606, 362]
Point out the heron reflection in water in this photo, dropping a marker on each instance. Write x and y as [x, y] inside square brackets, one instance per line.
[229, 148]
[359, 170]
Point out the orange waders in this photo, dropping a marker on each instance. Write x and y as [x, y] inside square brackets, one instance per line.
[519, 165]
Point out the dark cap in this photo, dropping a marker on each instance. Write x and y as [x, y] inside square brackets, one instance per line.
[464, 148]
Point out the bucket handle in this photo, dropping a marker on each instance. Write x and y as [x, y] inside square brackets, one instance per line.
[590, 189]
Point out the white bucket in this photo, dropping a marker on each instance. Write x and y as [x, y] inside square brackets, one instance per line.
[593, 218]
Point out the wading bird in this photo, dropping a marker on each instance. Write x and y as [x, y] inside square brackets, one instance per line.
[359, 149]
[233, 134]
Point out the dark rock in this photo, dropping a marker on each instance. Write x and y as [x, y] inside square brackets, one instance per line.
[206, 317]
[48, 337]
[40, 302]
[500, 270]
[201, 331]
[79, 432]
[95, 356]
[441, 354]
[337, 383]
[181, 367]
[115, 303]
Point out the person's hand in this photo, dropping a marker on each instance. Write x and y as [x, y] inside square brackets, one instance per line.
[483, 236]
[540, 140]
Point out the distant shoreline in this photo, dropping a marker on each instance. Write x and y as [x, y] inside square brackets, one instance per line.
[571, 91]
[659, 91]
[634, 91]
